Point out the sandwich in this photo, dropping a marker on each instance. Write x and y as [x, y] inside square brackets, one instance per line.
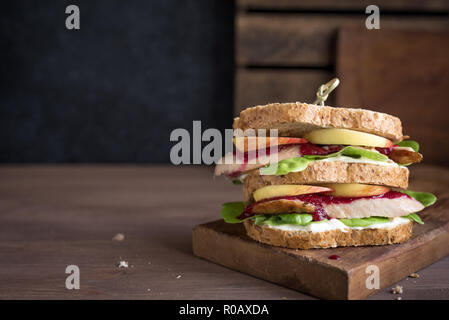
[339, 177]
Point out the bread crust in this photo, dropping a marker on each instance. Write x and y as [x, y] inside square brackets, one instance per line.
[295, 119]
[328, 239]
[331, 172]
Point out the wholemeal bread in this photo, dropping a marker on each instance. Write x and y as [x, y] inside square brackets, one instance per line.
[296, 119]
[278, 227]
[328, 239]
[331, 172]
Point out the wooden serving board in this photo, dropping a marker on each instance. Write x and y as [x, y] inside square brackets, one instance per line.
[312, 272]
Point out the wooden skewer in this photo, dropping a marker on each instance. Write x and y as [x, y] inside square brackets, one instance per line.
[324, 90]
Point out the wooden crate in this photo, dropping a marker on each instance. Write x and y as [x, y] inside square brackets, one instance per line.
[405, 73]
[285, 49]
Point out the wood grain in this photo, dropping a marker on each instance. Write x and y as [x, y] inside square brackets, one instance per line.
[401, 73]
[261, 86]
[312, 271]
[307, 40]
[53, 216]
[385, 5]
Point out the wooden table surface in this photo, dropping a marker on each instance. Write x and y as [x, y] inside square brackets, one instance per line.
[55, 216]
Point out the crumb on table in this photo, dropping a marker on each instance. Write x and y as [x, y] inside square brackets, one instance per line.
[123, 264]
[397, 290]
[119, 237]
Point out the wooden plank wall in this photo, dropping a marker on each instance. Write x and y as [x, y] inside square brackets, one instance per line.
[285, 48]
[408, 77]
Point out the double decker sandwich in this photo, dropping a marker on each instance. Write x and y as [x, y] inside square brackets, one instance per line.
[340, 177]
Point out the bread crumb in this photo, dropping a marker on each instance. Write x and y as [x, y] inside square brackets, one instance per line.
[397, 290]
[119, 237]
[123, 264]
[178, 277]
[148, 289]
[399, 298]
[414, 275]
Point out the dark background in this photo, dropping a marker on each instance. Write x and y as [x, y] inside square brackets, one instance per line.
[113, 90]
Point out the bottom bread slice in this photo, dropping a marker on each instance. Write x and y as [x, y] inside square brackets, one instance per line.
[299, 239]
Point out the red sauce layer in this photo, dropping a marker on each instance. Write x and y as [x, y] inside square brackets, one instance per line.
[306, 149]
[386, 151]
[318, 200]
[314, 149]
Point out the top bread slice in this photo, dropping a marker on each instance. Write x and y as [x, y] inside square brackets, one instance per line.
[295, 119]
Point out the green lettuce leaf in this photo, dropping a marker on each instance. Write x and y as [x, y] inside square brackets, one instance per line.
[301, 163]
[352, 152]
[410, 143]
[300, 219]
[237, 182]
[426, 198]
[286, 166]
[231, 210]
[260, 219]
[364, 222]
[414, 217]
[305, 219]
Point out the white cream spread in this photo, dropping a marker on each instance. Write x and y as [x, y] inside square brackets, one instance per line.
[335, 224]
[326, 225]
[361, 160]
[387, 225]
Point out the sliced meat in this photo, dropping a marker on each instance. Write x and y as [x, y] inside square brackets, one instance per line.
[235, 168]
[404, 155]
[382, 207]
[282, 206]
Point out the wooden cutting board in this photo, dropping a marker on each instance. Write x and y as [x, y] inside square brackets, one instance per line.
[312, 272]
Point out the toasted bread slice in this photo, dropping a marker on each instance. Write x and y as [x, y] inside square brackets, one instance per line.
[295, 119]
[331, 172]
[328, 239]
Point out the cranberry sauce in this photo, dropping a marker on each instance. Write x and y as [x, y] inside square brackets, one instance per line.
[334, 257]
[327, 199]
[237, 173]
[318, 200]
[306, 149]
[386, 151]
[314, 149]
